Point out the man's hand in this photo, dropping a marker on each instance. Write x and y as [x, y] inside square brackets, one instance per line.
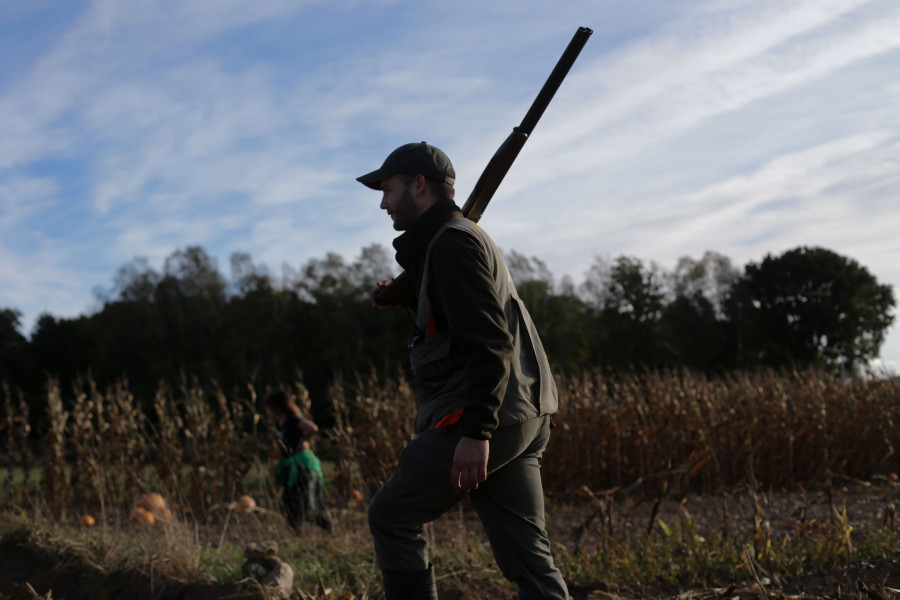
[469, 464]
[374, 292]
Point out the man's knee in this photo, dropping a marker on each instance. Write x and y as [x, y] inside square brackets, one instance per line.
[386, 518]
[374, 513]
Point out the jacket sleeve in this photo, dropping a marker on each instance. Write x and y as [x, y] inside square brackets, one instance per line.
[463, 297]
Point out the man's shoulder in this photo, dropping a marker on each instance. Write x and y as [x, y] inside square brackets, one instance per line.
[453, 236]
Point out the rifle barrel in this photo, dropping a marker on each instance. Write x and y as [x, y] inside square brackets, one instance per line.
[503, 159]
[556, 77]
[499, 165]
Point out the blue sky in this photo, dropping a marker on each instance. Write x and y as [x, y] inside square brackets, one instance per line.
[139, 128]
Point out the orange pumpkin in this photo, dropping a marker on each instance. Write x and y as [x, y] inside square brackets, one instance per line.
[143, 516]
[86, 521]
[154, 502]
[246, 503]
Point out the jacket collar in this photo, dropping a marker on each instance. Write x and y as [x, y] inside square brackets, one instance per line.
[411, 245]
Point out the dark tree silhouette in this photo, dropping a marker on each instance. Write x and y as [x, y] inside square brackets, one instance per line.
[807, 306]
[811, 305]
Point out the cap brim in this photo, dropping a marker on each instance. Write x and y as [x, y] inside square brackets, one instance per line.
[373, 179]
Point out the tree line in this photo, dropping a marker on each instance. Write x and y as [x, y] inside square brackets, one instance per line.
[807, 307]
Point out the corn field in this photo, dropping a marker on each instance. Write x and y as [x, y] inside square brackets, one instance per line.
[687, 433]
[677, 432]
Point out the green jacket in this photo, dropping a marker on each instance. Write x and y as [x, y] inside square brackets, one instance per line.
[287, 470]
[477, 356]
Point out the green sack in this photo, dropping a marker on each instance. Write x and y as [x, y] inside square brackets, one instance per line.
[287, 470]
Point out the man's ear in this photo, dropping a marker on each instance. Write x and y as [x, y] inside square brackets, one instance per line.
[420, 185]
[421, 193]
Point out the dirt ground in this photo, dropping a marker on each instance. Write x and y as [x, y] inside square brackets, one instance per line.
[29, 572]
[742, 510]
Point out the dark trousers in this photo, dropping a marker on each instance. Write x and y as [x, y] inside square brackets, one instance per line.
[510, 505]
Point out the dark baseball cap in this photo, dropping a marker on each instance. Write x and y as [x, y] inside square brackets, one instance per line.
[412, 159]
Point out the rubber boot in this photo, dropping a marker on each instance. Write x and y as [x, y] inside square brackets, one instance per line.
[410, 585]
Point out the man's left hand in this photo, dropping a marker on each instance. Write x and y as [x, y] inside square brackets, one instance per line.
[469, 464]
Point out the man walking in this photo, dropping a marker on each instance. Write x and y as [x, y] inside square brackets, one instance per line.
[485, 390]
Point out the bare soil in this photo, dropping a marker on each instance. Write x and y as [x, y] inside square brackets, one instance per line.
[29, 571]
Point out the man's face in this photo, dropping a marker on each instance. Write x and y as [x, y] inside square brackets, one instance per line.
[397, 200]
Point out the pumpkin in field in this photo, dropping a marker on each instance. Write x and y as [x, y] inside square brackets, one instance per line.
[143, 516]
[155, 504]
[246, 503]
[152, 502]
[86, 521]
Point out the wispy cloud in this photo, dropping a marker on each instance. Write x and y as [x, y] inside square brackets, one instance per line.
[645, 94]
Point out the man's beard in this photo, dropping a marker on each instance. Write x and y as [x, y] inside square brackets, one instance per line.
[405, 213]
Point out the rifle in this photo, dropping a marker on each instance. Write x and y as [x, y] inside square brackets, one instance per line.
[400, 290]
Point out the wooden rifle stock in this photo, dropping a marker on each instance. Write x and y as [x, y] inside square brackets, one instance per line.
[400, 291]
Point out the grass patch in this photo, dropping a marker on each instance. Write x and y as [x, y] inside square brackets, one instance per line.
[17, 477]
[686, 547]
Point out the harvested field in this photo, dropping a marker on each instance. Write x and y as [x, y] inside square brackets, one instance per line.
[32, 567]
[659, 485]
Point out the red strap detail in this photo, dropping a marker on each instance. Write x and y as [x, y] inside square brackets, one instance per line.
[449, 420]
